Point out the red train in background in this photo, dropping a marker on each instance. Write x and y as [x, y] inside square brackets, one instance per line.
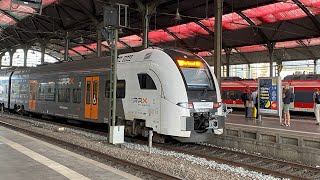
[301, 85]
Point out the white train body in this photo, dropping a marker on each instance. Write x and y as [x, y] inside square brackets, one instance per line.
[163, 107]
[172, 92]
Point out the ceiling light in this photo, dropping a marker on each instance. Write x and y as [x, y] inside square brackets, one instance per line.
[178, 17]
[81, 40]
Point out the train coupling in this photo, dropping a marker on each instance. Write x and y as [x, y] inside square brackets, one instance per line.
[226, 110]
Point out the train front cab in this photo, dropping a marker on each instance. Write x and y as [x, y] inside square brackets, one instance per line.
[191, 103]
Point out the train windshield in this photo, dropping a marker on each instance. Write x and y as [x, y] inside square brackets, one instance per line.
[196, 74]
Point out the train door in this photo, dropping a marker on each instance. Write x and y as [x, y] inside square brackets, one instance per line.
[155, 98]
[91, 97]
[32, 95]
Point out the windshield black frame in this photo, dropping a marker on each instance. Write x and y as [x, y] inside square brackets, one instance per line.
[176, 54]
[197, 78]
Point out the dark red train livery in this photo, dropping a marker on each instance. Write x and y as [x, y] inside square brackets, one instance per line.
[302, 86]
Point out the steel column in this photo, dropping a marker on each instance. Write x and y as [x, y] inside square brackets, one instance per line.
[25, 57]
[249, 71]
[66, 48]
[1, 56]
[145, 27]
[228, 55]
[43, 50]
[114, 76]
[99, 43]
[11, 52]
[271, 50]
[218, 10]
[279, 68]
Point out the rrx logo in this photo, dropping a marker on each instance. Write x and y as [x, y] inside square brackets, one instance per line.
[140, 100]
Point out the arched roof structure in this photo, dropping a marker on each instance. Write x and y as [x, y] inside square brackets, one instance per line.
[292, 27]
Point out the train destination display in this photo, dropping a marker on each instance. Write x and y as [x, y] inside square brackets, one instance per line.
[269, 99]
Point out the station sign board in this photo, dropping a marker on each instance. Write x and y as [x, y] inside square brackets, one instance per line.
[270, 96]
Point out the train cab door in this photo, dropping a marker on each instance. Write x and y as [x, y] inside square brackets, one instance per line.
[32, 95]
[154, 99]
[91, 97]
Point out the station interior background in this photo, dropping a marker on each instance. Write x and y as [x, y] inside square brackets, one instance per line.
[241, 70]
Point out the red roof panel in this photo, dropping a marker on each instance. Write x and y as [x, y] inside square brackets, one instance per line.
[233, 21]
[312, 5]
[82, 50]
[252, 48]
[182, 31]
[209, 23]
[287, 44]
[229, 22]
[188, 30]
[17, 11]
[160, 36]
[275, 12]
[72, 53]
[132, 40]
[6, 21]
[204, 53]
[311, 41]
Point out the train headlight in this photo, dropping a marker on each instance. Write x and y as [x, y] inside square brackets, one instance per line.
[217, 104]
[186, 105]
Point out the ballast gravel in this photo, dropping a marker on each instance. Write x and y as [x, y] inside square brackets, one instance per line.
[177, 164]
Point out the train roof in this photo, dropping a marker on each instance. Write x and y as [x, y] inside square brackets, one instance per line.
[81, 67]
[303, 77]
[253, 83]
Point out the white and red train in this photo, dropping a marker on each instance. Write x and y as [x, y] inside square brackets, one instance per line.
[301, 85]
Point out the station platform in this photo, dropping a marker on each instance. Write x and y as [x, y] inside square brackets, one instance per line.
[23, 157]
[297, 127]
[299, 142]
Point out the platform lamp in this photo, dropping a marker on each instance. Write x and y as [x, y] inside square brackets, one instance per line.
[36, 4]
[81, 41]
[177, 17]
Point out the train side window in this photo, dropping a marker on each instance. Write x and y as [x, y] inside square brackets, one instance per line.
[146, 82]
[232, 95]
[121, 89]
[88, 93]
[95, 91]
[41, 93]
[50, 94]
[64, 95]
[303, 96]
[76, 95]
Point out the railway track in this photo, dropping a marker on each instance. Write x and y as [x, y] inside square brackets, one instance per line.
[265, 165]
[90, 152]
[275, 167]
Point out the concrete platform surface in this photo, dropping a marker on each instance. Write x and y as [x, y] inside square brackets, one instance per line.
[23, 157]
[299, 142]
[298, 126]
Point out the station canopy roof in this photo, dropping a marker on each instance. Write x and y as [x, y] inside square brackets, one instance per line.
[292, 27]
